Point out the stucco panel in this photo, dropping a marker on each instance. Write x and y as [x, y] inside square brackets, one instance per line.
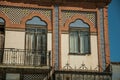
[14, 39]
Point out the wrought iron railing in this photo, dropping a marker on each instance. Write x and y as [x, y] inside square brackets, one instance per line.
[81, 75]
[24, 57]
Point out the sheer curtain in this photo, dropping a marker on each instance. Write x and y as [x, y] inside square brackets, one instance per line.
[30, 40]
[74, 42]
[36, 43]
[79, 42]
[30, 47]
[84, 42]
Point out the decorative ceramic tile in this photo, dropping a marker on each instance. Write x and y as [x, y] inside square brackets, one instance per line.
[16, 13]
[69, 13]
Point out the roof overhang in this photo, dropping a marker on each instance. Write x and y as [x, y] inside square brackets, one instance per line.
[62, 2]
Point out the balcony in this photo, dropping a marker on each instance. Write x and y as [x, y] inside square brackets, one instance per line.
[24, 58]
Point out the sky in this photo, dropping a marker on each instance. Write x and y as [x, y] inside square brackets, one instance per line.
[114, 30]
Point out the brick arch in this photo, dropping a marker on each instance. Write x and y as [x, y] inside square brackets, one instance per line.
[6, 19]
[35, 14]
[83, 18]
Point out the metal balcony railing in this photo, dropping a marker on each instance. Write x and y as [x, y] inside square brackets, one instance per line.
[24, 57]
[80, 75]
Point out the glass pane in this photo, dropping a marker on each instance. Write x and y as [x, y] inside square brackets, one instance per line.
[38, 42]
[81, 43]
[33, 47]
[74, 42]
[44, 41]
[1, 40]
[79, 23]
[1, 20]
[84, 42]
[36, 21]
[30, 37]
[27, 41]
[71, 42]
[39, 30]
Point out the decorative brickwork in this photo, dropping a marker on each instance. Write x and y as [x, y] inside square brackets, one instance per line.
[15, 14]
[69, 13]
[73, 18]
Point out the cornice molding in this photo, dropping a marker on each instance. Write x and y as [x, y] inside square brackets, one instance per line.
[97, 3]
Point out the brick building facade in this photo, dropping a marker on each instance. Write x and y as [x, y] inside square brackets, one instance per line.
[54, 40]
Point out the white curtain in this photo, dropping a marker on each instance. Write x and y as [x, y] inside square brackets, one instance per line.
[30, 39]
[79, 42]
[36, 41]
[39, 41]
[84, 42]
[74, 42]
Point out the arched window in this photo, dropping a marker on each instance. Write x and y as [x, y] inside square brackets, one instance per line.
[36, 40]
[79, 37]
[2, 31]
[2, 34]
